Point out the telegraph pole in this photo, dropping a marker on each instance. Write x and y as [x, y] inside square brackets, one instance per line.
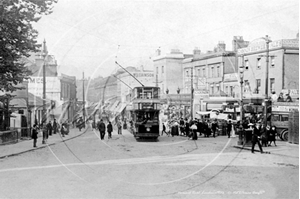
[44, 54]
[83, 100]
[192, 93]
[267, 80]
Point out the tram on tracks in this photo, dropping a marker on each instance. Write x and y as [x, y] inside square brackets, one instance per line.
[144, 112]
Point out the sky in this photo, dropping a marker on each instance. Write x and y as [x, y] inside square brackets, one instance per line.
[91, 35]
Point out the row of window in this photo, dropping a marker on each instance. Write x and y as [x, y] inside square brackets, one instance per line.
[257, 88]
[214, 71]
[162, 69]
[258, 63]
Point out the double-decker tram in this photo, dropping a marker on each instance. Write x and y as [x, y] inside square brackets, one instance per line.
[144, 112]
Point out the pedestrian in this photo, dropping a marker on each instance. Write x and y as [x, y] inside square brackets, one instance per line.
[101, 127]
[119, 125]
[229, 128]
[214, 127]
[256, 133]
[34, 134]
[49, 128]
[55, 126]
[80, 123]
[109, 129]
[194, 131]
[164, 129]
[187, 128]
[63, 129]
[45, 132]
[199, 127]
[264, 135]
[272, 135]
[181, 126]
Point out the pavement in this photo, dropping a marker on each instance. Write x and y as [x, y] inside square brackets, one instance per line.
[26, 145]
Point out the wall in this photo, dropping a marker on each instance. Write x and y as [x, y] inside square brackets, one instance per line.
[291, 71]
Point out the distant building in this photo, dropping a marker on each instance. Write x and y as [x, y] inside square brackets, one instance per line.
[35, 84]
[207, 72]
[68, 96]
[168, 70]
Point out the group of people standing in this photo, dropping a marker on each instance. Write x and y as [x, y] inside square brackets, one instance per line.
[194, 127]
[47, 130]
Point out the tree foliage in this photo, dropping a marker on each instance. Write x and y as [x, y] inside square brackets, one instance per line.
[18, 38]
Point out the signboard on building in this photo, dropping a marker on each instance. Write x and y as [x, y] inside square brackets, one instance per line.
[283, 108]
[231, 77]
[201, 94]
[260, 45]
[35, 85]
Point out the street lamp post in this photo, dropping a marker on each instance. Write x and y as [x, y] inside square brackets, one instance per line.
[241, 70]
[44, 117]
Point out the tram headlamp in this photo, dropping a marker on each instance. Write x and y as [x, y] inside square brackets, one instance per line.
[148, 129]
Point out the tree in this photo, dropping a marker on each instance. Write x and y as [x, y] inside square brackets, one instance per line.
[18, 38]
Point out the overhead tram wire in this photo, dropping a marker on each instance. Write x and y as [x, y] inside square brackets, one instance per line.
[129, 73]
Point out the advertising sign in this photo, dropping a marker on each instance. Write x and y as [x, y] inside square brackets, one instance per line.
[35, 85]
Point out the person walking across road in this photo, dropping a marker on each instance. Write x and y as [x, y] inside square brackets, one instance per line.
[109, 129]
[256, 133]
[163, 129]
[272, 136]
[101, 127]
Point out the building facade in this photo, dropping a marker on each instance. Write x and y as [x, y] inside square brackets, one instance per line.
[68, 96]
[168, 71]
[283, 66]
[207, 72]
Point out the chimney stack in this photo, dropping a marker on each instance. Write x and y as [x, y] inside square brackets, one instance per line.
[158, 52]
[196, 51]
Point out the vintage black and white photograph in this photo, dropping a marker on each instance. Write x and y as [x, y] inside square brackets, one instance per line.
[146, 99]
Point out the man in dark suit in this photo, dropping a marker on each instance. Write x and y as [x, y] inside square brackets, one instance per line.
[101, 127]
[256, 133]
[49, 128]
[229, 128]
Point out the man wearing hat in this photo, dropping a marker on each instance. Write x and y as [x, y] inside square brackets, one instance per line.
[256, 132]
